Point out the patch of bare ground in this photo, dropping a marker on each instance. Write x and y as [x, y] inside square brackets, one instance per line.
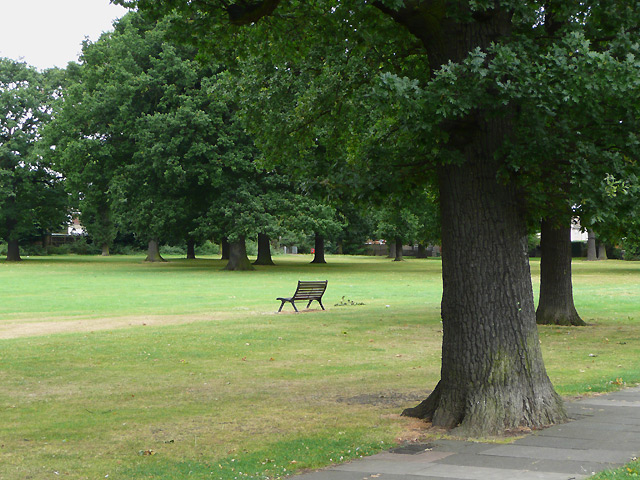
[391, 399]
[26, 327]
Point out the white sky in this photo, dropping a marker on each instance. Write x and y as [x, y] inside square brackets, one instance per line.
[48, 33]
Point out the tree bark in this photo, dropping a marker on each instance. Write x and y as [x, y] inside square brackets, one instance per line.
[602, 252]
[105, 250]
[191, 249]
[392, 250]
[319, 250]
[555, 305]
[264, 250]
[224, 249]
[153, 252]
[398, 256]
[591, 246]
[422, 251]
[493, 376]
[238, 260]
[13, 251]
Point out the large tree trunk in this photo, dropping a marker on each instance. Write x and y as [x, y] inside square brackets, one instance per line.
[13, 251]
[493, 377]
[555, 305]
[264, 250]
[602, 252]
[238, 259]
[153, 252]
[191, 249]
[422, 251]
[105, 250]
[319, 250]
[224, 249]
[398, 244]
[591, 246]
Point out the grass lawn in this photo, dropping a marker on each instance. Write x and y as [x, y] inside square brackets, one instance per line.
[113, 368]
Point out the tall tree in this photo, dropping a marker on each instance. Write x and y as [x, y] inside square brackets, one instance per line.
[555, 305]
[398, 223]
[32, 197]
[471, 114]
[143, 136]
[85, 150]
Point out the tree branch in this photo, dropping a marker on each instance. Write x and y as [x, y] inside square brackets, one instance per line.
[245, 12]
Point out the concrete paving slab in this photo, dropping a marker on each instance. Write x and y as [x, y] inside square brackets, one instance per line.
[424, 457]
[534, 465]
[475, 473]
[604, 424]
[580, 443]
[548, 453]
[605, 402]
[460, 446]
[342, 475]
[613, 418]
[584, 432]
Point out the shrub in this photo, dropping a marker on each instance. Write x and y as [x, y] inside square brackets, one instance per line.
[208, 248]
[173, 250]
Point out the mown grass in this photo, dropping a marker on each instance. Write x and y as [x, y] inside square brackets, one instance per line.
[207, 382]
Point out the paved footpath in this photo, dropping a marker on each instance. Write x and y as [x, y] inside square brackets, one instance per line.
[604, 433]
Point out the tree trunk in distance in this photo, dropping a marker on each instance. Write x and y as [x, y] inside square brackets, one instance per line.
[555, 304]
[392, 250]
[153, 252]
[224, 249]
[238, 259]
[13, 251]
[591, 246]
[264, 250]
[493, 376]
[319, 248]
[422, 251]
[398, 244]
[191, 249]
[105, 250]
[602, 252]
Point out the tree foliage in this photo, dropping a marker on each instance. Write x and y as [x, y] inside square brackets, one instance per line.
[32, 197]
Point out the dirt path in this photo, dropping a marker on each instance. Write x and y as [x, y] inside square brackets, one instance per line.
[47, 326]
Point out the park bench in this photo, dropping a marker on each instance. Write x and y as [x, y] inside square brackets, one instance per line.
[306, 290]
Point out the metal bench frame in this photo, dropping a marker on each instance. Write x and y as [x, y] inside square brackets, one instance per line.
[306, 290]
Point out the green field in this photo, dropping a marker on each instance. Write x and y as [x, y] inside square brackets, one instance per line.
[113, 367]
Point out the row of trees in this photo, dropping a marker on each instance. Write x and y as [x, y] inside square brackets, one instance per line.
[146, 139]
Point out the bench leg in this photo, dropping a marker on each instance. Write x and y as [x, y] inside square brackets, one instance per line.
[294, 306]
[281, 305]
[318, 300]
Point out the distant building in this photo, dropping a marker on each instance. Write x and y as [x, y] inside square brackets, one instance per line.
[75, 227]
[577, 234]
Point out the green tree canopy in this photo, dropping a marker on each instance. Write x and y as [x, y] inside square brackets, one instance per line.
[32, 197]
